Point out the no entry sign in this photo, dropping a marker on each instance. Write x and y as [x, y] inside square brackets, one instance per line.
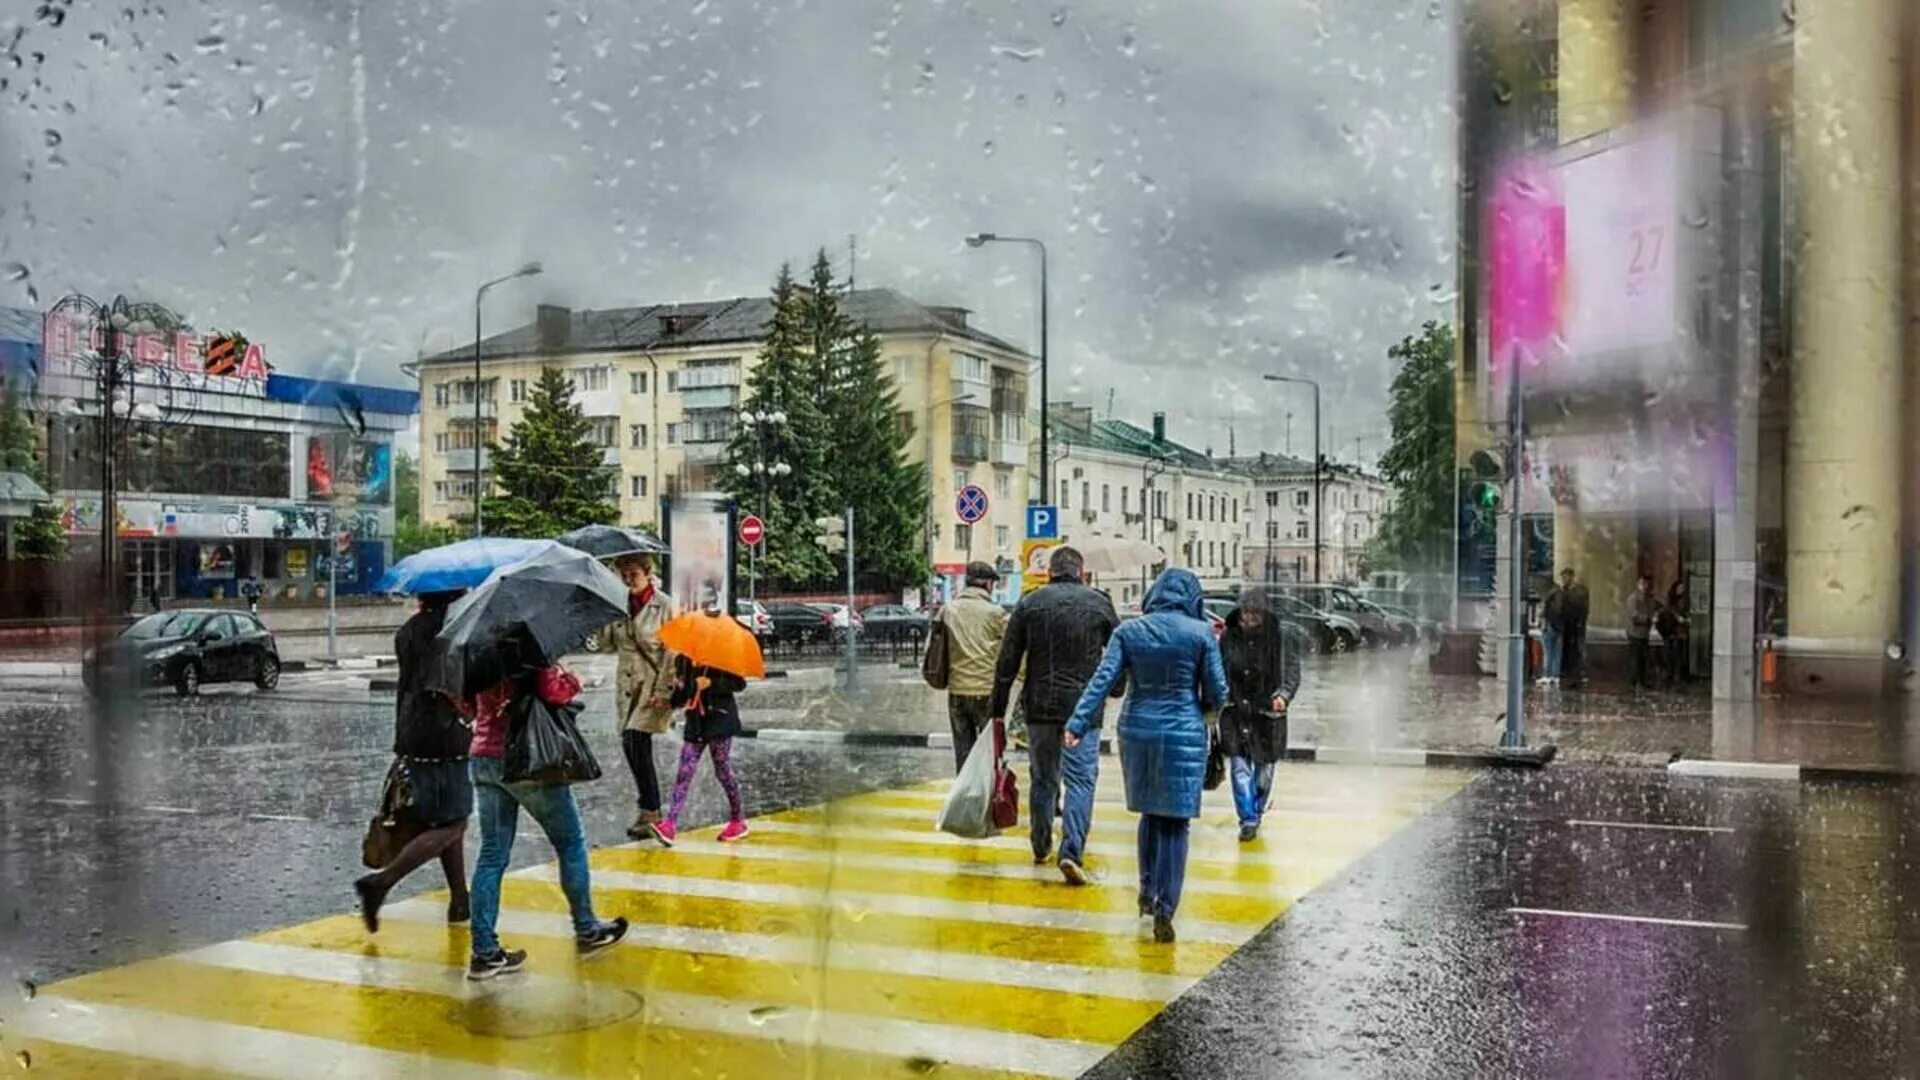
[752, 530]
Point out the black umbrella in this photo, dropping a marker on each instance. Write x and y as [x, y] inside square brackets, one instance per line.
[612, 541]
[525, 616]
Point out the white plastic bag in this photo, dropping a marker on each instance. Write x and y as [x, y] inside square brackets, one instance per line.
[966, 812]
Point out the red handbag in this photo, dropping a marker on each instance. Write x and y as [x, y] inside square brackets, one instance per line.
[1004, 807]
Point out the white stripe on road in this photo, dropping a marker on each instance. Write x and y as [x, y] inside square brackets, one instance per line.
[1277, 808]
[1121, 852]
[841, 953]
[170, 810]
[976, 1048]
[1648, 825]
[277, 817]
[908, 864]
[227, 1049]
[860, 904]
[1647, 919]
[1734, 770]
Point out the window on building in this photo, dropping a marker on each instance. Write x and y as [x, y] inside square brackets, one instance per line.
[1160, 504]
[961, 478]
[1302, 498]
[1002, 538]
[1009, 406]
[1299, 530]
[440, 394]
[963, 536]
[1233, 510]
[900, 371]
[1064, 488]
[1086, 494]
[589, 379]
[673, 382]
[1106, 498]
[1123, 499]
[903, 422]
[603, 431]
[637, 436]
[1003, 483]
[439, 442]
[517, 390]
[1273, 530]
[974, 368]
[167, 458]
[1299, 568]
[637, 382]
[638, 487]
[673, 434]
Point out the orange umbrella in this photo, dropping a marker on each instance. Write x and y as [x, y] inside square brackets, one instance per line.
[714, 641]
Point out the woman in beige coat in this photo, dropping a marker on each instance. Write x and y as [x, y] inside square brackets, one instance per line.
[645, 683]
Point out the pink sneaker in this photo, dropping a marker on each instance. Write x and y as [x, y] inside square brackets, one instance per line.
[735, 830]
[663, 832]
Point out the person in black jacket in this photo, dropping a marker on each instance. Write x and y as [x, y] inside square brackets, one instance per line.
[1059, 631]
[430, 743]
[712, 720]
[1263, 674]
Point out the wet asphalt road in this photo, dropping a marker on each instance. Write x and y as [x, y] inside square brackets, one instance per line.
[1775, 934]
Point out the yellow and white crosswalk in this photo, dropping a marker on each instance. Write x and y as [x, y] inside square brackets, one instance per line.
[844, 940]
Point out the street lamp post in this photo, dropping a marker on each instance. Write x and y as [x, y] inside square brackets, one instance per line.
[479, 294]
[981, 239]
[1316, 462]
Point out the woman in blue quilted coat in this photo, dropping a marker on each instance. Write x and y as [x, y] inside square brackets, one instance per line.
[1175, 677]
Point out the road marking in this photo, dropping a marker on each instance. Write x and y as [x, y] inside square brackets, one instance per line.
[170, 810]
[1648, 919]
[855, 901]
[840, 953]
[735, 1019]
[277, 817]
[1734, 770]
[1648, 825]
[235, 1049]
[68, 802]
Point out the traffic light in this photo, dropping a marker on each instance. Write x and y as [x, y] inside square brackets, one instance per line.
[1488, 468]
[833, 533]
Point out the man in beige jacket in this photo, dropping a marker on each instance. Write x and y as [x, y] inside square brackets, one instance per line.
[643, 684]
[974, 625]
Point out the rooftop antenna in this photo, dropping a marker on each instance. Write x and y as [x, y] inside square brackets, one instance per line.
[1109, 402]
[853, 254]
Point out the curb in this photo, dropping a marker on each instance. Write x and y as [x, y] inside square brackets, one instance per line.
[1772, 770]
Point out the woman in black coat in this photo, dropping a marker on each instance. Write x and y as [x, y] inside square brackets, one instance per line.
[1263, 673]
[712, 720]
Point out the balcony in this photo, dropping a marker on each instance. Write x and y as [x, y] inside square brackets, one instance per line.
[462, 460]
[709, 397]
[709, 378]
[1009, 452]
[971, 447]
[982, 394]
[461, 412]
[705, 453]
[609, 455]
[598, 402]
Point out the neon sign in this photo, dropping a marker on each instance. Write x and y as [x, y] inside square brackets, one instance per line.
[75, 335]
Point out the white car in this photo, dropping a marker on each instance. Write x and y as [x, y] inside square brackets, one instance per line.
[752, 614]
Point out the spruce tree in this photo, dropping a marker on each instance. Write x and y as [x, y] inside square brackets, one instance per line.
[784, 383]
[40, 535]
[548, 476]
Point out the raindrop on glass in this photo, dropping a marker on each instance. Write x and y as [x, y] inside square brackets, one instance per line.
[23, 1059]
[1790, 11]
[28, 991]
[759, 1016]
[987, 148]
[16, 271]
[212, 43]
[52, 137]
[1502, 92]
[1021, 51]
[1059, 17]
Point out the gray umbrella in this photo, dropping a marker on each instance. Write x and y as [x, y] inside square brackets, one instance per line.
[524, 617]
[612, 541]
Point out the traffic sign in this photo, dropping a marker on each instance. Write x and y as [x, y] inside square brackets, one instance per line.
[971, 504]
[1034, 556]
[752, 530]
[1043, 523]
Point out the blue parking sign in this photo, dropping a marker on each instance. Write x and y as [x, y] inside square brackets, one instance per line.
[1043, 523]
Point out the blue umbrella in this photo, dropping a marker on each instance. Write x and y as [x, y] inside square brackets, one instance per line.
[463, 565]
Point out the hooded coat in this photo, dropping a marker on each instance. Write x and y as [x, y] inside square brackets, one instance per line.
[1176, 674]
[1261, 663]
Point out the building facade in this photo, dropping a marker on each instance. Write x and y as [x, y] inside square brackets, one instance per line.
[1281, 529]
[663, 384]
[221, 478]
[1728, 397]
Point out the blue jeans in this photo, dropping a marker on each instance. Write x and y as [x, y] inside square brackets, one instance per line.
[1053, 763]
[1252, 786]
[553, 807]
[1163, 862]
[1550, 652]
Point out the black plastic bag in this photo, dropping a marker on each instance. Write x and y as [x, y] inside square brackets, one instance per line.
[1216, 764]
[544, 745]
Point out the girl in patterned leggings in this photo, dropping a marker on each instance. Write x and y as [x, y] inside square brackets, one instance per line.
[712, 720]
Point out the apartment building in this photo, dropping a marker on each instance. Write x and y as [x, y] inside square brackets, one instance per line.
[1281, 522]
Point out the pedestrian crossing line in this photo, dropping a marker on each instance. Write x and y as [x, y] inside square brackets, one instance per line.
[1072, 937]
[953, 989]
[949, 881]
[542, 1025]
[206, 1048]
[827, 851]
[1214, 807]
[76, 1062]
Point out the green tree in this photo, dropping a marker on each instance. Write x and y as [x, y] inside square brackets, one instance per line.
[783, 385]
[409, 534]
[548, 477]
[39, 536]
[1416, 533]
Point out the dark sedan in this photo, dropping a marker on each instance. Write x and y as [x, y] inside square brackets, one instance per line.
[893, 622]
[799, 624]
[185, 649]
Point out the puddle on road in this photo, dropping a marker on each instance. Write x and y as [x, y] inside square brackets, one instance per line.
[531, 1012]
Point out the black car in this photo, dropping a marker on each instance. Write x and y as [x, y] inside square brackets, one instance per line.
[185, 649]
[799, 624]
[893, 622]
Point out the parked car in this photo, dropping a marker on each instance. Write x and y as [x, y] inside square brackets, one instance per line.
[799, 624]
[894, 622]
[1303, 630]
[1342, 601]
[1401, 629]
[752, 614]
[839, 618]
[185, 649]
[1327, 631]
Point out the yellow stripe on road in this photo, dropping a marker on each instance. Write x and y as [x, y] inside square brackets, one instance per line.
[842, 940]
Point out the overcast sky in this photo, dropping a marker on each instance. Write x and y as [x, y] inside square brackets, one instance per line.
[1227, 187]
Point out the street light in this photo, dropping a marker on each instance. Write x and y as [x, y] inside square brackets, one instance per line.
[1316, 462]
[981, 240]
[528, 270]
[763, 423]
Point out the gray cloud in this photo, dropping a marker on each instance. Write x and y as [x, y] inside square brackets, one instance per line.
[1226, 188]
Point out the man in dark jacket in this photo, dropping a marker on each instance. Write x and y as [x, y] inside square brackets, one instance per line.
[1263, 674]
[1575, 604]
[1059, 631]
